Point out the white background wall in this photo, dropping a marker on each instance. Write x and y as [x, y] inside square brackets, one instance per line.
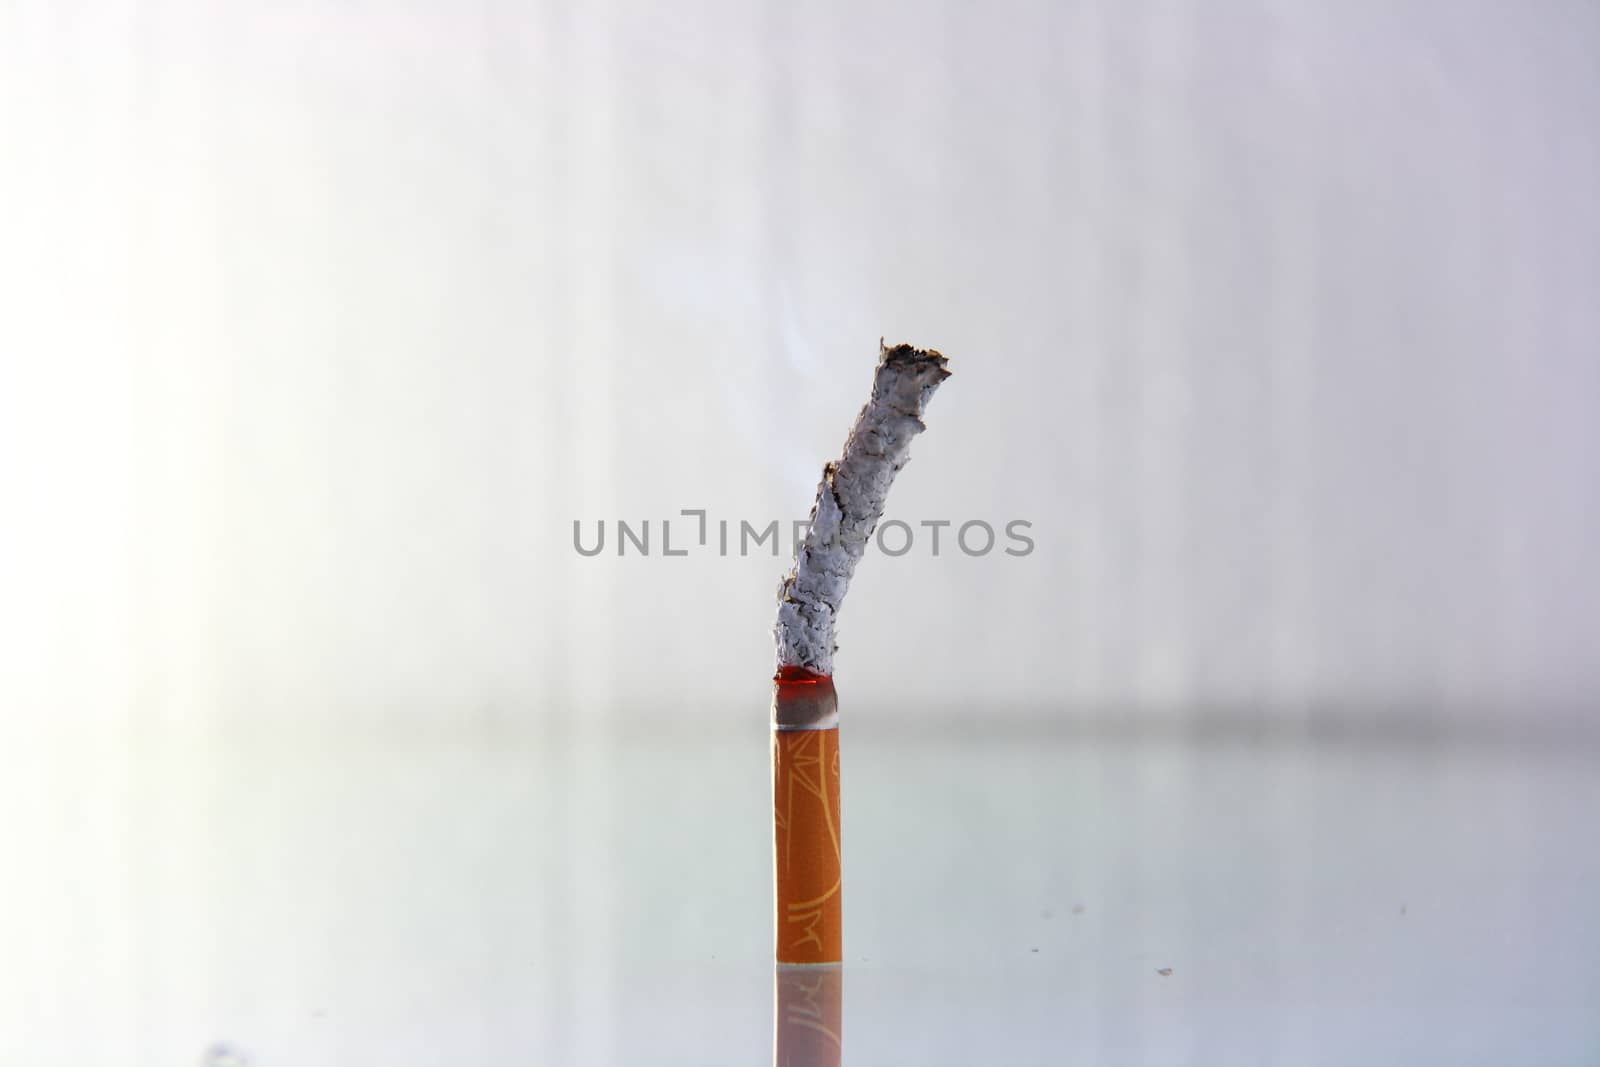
[322, 323]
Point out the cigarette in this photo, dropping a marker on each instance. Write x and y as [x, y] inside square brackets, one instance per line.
[807, 859]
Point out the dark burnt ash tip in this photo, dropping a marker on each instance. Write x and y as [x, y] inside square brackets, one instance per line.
[910, 355]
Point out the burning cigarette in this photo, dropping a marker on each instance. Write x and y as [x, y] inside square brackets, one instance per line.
[805, 710]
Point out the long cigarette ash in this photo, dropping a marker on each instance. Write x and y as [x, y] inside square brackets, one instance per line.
[850, 501]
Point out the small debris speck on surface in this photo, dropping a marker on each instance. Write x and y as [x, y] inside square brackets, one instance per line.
[1165, 972]
[1077, 909]
[221, 1055]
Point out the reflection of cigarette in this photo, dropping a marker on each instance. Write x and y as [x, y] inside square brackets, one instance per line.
[806, 1021]
[805, 712]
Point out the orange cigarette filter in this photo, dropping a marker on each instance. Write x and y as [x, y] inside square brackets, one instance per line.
[805, 818]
